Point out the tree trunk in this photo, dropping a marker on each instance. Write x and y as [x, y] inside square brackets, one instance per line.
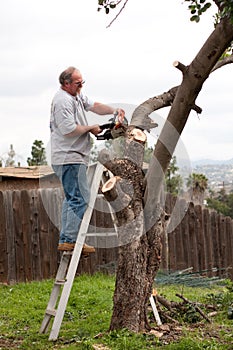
[141, 223]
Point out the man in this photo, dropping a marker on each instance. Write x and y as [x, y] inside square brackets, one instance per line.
[70, 148]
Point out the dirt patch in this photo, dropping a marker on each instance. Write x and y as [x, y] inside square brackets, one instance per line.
[168, 333]
[9, 343]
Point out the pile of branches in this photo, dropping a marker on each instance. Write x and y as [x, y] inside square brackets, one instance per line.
[184, 311]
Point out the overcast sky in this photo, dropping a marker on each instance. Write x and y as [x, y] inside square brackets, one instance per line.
[123, 65]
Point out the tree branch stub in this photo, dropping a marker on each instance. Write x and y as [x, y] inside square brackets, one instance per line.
[180, 66]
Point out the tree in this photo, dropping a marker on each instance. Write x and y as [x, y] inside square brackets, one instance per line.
[142, 220]
[148, 153]
[197, 184]
[217, 205]
[173, 180]
[38, 154]
[223, 203]
[10, 160]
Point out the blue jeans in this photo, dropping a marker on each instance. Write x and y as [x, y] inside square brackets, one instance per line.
[74, 181]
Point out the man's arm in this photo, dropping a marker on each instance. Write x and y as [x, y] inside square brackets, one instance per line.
[102, 109]
[82, 129]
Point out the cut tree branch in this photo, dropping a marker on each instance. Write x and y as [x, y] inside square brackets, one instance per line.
[180, 66]
[223, 62]
[141, 113]
[195, 306]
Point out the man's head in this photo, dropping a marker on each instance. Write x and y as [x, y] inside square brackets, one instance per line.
[71, 81]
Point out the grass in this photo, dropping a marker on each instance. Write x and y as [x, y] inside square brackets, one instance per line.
[87, 318]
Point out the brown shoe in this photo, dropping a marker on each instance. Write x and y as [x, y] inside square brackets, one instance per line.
[66, 246]
[87, 249]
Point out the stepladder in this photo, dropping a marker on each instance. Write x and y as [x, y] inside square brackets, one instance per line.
[69, 261]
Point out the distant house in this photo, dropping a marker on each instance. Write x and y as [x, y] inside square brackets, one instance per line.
[30, 177]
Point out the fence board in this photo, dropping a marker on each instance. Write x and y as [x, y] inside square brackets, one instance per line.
[178, 236]
[44, 237]
[229, 247]
[3, 239]
[18, 242]
[10, 233]
[222, 241]
[55, 199]
[192, 238]
[208, 242]
[185, 234]
[27, 237]
[200, 238]
[36, 251]
[170, 202]
[215, 239]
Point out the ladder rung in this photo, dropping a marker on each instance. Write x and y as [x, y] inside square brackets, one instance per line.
[67, 252]
[101, 234]
[60, 282]
[51, 312]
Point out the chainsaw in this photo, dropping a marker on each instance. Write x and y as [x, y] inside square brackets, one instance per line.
[114, 128]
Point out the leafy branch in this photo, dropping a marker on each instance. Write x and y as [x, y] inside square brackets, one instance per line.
[108, 5]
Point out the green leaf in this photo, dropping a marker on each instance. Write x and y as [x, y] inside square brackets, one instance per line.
[207, 5]
[195, 18]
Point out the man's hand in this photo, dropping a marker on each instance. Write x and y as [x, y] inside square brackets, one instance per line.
[95, 130]
[120, 115]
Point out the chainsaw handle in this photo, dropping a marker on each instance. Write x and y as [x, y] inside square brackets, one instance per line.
[107, 126]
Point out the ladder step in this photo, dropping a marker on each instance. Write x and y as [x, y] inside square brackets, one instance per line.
[51, 312]
[67, 252]
[101, 234]
[60, 282]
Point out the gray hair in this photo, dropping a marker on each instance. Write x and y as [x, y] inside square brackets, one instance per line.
[67, 75]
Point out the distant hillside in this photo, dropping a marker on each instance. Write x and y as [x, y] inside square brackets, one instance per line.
[211, 162]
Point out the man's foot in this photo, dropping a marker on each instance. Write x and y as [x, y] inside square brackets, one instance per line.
[87, 249]
[66, 246]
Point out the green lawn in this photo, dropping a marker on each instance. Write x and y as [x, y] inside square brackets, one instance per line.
[87, 318]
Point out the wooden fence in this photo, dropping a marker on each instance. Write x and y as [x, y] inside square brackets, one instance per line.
[202, 240]
[29, 231]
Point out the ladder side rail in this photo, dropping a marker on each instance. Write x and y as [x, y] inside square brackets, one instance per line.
[61, 273]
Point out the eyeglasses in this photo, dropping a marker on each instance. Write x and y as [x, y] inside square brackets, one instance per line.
[80, 83]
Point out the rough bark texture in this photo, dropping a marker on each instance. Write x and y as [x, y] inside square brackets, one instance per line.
[141, 227]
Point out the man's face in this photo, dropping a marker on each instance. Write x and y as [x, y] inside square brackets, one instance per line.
[75, 86]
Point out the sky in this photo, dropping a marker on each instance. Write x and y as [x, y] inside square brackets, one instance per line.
[123, 65]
